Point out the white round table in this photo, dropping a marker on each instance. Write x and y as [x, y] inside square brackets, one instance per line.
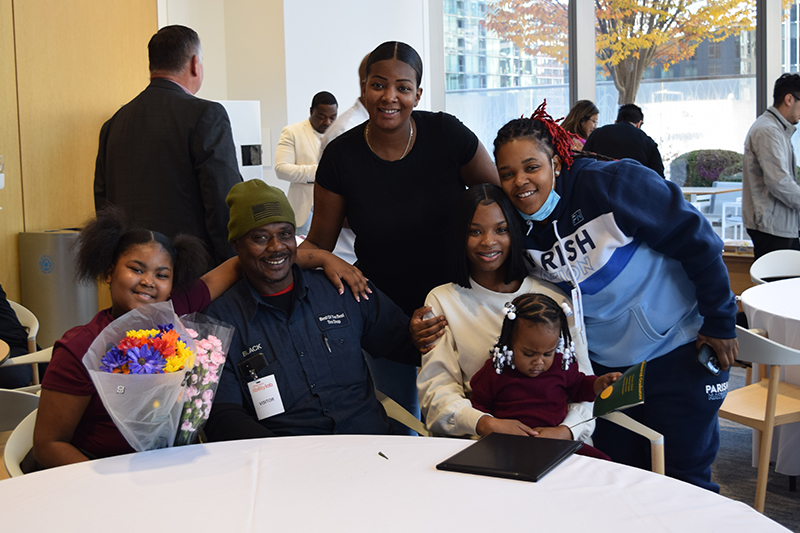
[775, 307]
[341, 483]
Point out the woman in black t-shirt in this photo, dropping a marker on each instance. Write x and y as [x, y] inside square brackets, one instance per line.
[397, 178]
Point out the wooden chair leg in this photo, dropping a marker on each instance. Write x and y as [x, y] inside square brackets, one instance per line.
[765, 445]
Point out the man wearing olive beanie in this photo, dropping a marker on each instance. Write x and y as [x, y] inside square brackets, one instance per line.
[295, 365]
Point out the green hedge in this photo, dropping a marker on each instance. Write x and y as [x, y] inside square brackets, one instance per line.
[701, 168]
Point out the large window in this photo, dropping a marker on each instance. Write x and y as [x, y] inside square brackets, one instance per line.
[693, 76]
[491, 79]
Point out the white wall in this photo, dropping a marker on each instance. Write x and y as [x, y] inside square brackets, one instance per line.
[206, 17]
[326, 41]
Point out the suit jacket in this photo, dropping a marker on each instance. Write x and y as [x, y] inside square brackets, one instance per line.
[167, 159]
[622, 140]
[296, 161]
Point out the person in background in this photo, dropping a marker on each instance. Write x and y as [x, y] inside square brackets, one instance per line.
[298, 153]
[14, 334]
[647, 268]
[625, 139]
[770, 193]
[295, 365]
[581, 120]
[167, 158]
[345, 245]
[487, 271]
[533, 372]
[397, 178]
[351, 118]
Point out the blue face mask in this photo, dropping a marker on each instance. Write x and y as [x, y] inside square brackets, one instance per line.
[549, 205]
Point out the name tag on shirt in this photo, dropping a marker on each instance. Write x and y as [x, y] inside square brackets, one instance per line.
[266, 397]
[333, 320]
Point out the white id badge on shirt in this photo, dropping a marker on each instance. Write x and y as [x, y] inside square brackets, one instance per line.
[577, 309]
[266, 397]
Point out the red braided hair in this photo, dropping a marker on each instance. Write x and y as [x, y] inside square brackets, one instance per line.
[562, 139]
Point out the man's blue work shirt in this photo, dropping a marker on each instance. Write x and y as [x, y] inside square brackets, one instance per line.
[314, 354]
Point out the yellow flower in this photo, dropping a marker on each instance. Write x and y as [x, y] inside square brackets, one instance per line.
[178, 361]
[142, 333]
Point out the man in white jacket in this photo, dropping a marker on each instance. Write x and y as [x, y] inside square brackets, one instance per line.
[298, 153]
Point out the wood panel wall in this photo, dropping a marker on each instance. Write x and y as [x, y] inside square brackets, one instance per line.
[11, 215]
[71, 65]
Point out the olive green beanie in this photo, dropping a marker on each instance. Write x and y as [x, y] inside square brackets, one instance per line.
[253, 204]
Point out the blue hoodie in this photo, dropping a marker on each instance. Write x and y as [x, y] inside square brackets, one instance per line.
[648, 263]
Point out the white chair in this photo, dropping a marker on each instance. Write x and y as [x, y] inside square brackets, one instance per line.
[765, 404]
[395, 411]
[656, 439]
[42, 356]
[732, 218]
[19, 444]
[16, 405]
[28, 321]
[777, 264]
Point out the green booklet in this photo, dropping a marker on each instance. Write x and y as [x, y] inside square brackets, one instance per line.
[626, 392]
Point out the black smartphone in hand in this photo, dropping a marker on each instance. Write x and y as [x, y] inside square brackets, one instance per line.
[708, 358]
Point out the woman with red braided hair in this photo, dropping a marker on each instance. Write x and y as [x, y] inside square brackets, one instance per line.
[647, 279]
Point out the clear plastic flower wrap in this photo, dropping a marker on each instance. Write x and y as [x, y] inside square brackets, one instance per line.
[139, 365]
[212, 340]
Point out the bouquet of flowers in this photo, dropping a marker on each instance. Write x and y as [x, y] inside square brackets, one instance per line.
[212, 339]
[147, 351]
[139, 365]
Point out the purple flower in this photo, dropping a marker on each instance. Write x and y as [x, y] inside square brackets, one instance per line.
[113, 359]
[165, 327]
[145, 360]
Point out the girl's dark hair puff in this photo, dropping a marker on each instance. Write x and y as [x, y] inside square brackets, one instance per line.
[536, 308]
[106, 237]
[396, 50]
[542, 129]
[485, 194]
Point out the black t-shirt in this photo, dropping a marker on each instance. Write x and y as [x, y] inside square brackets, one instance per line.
[402, 211]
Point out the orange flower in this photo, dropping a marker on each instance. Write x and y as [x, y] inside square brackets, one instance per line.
[164, 346]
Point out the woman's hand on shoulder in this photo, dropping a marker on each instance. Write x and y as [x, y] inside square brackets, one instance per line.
[337, 270]
[489, 424]
[425, 332]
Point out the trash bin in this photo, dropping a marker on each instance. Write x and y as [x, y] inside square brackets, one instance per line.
[48, 287]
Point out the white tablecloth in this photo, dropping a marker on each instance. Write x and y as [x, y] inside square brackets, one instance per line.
[341, 483]
[775, 307]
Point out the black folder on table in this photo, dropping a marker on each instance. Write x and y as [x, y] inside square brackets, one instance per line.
[511, 456]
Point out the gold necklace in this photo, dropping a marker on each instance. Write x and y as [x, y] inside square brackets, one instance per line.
[408, 144]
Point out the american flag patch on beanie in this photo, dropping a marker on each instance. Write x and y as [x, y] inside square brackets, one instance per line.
[266, 210]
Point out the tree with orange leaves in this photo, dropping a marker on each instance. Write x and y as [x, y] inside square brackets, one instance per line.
[631, 34]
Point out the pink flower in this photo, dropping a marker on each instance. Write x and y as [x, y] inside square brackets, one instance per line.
[186, 426]
[192, 333]
[208, 395]
[198, 403]
[191, 391]
[218, 358]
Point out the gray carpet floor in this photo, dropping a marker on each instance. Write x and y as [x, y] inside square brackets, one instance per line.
[737, 479]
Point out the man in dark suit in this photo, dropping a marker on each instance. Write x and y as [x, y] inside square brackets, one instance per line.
[626, 139]
[167, 158]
